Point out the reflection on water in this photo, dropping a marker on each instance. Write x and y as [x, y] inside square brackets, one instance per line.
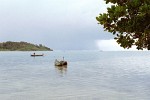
[62, 70]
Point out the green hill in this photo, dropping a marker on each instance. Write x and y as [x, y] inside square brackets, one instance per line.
[22, 46]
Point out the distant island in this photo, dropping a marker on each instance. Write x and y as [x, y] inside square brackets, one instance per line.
[22, 46]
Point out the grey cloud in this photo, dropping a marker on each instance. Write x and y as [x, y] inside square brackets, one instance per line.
[60, 24]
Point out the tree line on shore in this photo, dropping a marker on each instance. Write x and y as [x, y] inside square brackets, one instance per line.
[22, 46]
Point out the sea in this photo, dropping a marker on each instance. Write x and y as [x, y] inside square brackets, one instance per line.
[89, 75]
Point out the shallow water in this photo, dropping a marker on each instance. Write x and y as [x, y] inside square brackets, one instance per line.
[90, 75]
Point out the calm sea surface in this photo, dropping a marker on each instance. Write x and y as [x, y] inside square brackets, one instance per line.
[90, 75]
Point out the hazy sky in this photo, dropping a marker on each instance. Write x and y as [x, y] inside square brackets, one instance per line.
[58, 24]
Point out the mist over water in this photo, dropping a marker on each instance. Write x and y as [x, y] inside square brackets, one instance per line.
[90, 75]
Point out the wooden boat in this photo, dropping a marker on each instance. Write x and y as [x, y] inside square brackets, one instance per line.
[33, 55]
[60, 63]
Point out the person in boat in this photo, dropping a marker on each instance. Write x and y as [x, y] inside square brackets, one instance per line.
[34, 53]
[56, 60]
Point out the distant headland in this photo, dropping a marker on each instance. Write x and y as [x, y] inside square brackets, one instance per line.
[22, 46]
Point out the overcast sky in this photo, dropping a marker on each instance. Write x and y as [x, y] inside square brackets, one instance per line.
[58, 24]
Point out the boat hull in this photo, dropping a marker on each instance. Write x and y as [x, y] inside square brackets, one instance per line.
[36, 55]
[60, 63]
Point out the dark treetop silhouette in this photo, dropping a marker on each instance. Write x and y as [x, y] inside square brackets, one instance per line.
[129, 21]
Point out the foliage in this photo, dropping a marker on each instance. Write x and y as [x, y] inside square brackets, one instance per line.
[129, 21]
[22, 46]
